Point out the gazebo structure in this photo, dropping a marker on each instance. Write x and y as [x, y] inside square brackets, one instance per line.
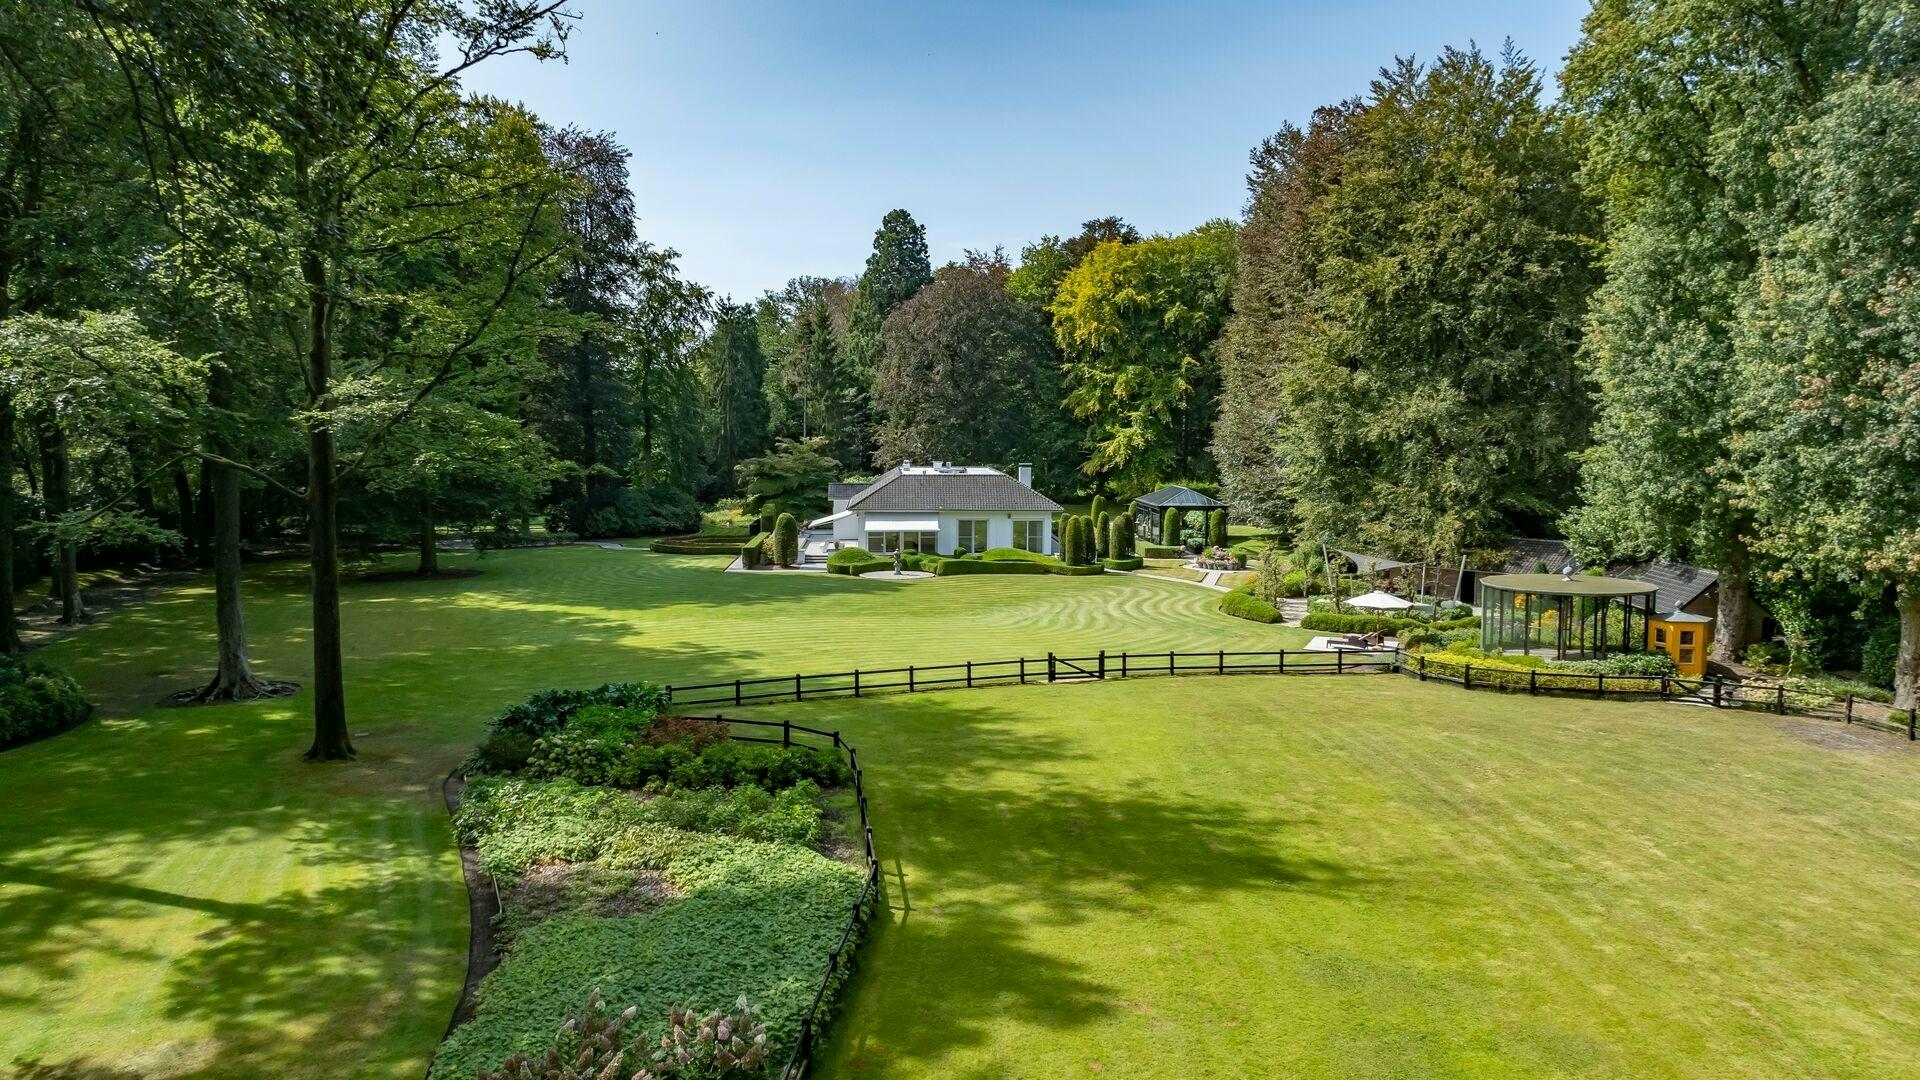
[1155, 504]
[1564, 615]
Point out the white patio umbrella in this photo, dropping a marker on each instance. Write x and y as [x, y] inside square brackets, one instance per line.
[1379, 601]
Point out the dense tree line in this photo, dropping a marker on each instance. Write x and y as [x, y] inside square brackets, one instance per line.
[269, 276]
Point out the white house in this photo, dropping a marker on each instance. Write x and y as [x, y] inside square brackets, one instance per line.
[942, 508]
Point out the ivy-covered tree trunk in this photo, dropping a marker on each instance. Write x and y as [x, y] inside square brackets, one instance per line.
[1733, 605]
[429, 549]
[9, 633]
[1906, 665]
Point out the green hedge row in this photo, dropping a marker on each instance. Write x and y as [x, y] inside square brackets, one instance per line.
[754, 552]
[1242, 604]
[697, 545]
[1366, 624]
[495, 540]
[1130, 562]
[1525, 676]
[1156, 551]
[963, 567]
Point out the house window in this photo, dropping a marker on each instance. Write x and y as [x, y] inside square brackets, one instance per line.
[886, 543]
[973, 536]
[1030, 535]
[1686, 656]
[1660, 636]
[1686, 637]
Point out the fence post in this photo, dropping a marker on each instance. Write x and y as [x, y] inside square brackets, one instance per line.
[1103, 663]
[1421, 660]
[1169, 661]
[786, 733]
[1050, 668]
[969, 674]
[856, 682]
[1718, 682]
[1780, 700]
[736, 692]
[910, 686]
[1280, 661]
[1220, 662]
[1339, 661]
[1664, 688]
[796, 687]
[1849, 708]
[1600, 682]
[1533, 680]
[1023, 671]
[1466, 676]
[1123, 663]
[1912, 714]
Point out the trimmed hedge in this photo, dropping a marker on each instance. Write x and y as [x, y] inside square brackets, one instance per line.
[697, 545]
[1170, 523]
[1367, 624]
[1242, 604]
[1508, 675]
[1217, 528]
[37, 701]
[754, 551]
[786, 540]
[962, 567]
[1130, 562]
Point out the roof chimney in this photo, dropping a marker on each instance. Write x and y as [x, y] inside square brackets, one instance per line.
[1026, 474]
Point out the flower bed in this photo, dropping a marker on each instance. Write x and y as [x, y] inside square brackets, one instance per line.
[656, 862]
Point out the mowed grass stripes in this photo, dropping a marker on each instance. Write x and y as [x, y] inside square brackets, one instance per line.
[1370, 876]
[181, 896]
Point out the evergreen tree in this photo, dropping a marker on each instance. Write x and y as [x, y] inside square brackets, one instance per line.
[897, 269]
[734, 373]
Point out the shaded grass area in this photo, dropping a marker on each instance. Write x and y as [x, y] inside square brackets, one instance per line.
[181, 896]
[1371, 876]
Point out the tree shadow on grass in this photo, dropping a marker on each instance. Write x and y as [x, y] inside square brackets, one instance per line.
[1013, 831]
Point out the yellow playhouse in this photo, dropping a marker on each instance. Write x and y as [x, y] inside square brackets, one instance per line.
[1684, 636]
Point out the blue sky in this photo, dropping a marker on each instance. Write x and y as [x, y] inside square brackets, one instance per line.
[769, 138]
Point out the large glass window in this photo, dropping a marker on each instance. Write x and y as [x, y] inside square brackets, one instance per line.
[887, 542]
[972, 536]
[1030, 535]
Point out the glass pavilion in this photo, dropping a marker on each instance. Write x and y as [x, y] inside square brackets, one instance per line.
[1564, 616]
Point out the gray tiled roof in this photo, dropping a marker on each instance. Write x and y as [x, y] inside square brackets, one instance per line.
[1524, 556]
[846, 491]
[953, 491]
[1175, 495]
[1679, 584]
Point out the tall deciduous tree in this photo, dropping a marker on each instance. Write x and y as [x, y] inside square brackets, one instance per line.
[368, 168]
[1293, 174]
[1828, 349]
[1138, 324]
[1423, 349]
[968, 374]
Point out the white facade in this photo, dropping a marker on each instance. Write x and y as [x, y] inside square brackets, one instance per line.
[953, 529]
[858, 528]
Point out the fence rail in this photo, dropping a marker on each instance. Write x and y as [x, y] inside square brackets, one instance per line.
[840, 959]
[1101, 665]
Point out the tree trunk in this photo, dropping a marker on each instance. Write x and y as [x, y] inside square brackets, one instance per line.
[1731, 608]
[203, 518]
[1906, 666]
[331, 740]
[233, 678]
[9, 633]
[429, 548]
[66, 554]
[188, 517]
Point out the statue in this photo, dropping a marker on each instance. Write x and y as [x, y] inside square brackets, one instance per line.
[898, 562]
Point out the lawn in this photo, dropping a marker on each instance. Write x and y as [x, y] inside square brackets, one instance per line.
[1371, 876]
[181, 896]
[1199, 876]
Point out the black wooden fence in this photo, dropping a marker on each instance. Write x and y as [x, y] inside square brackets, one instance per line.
[1053, 667]
[840, 959]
